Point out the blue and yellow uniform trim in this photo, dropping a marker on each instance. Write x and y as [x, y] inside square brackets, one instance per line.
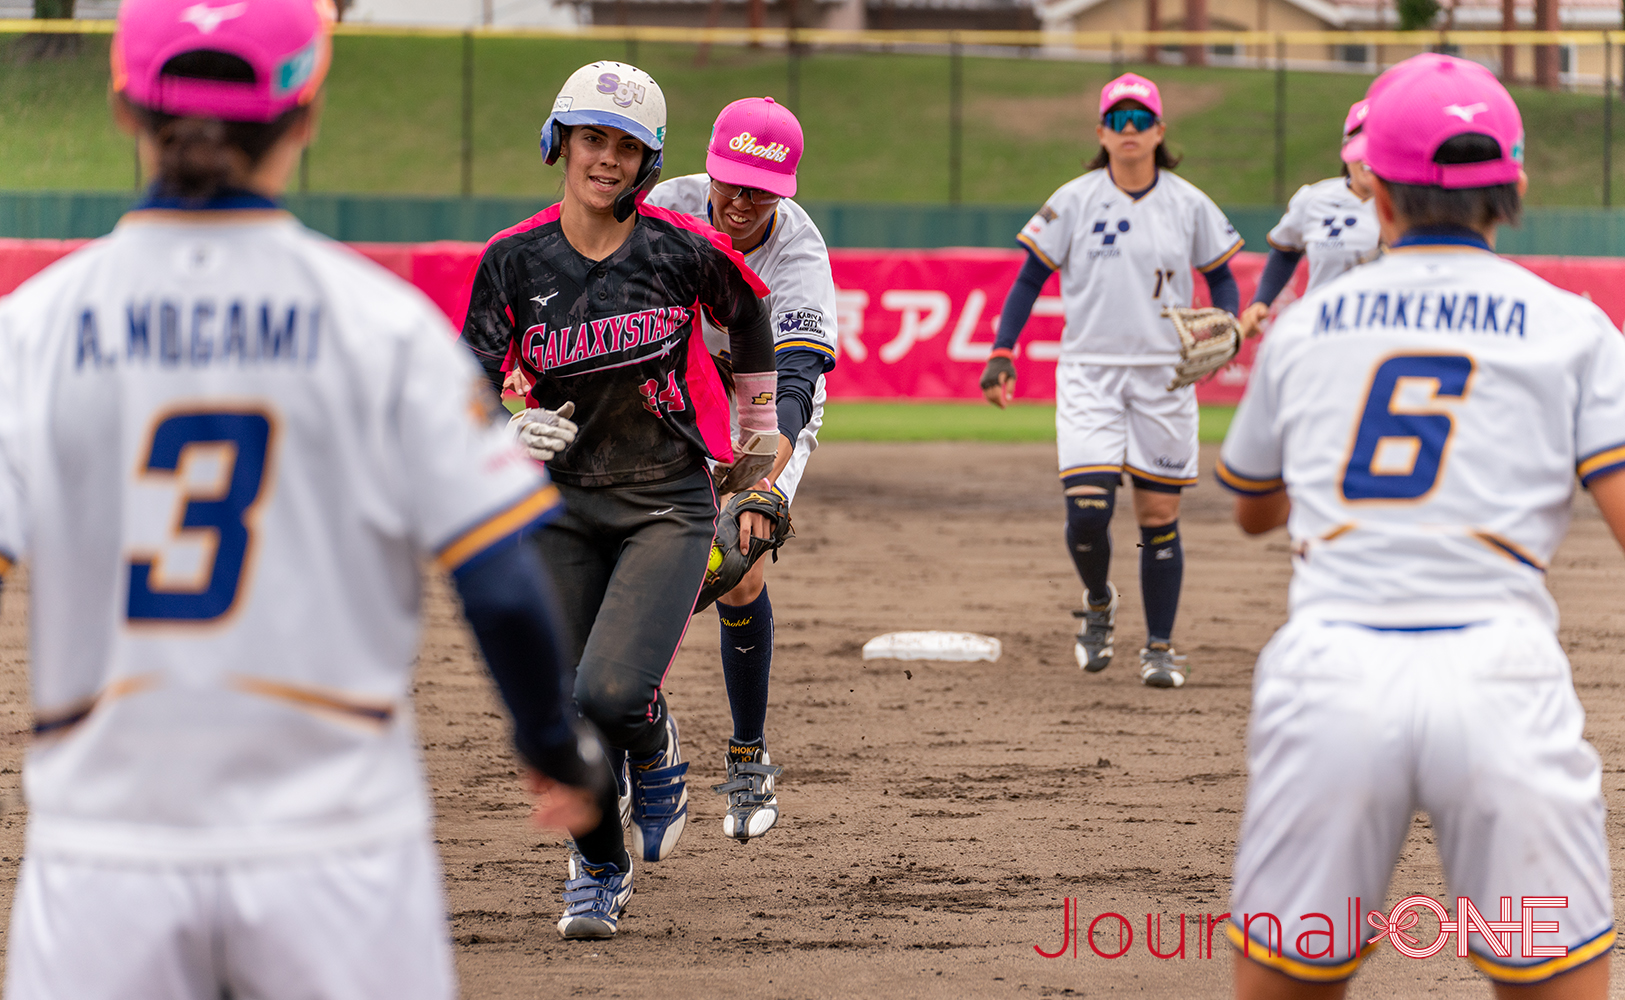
[1027, 242]
[1281, 247]
[1247, 486]
[1156, 477]
[1512, 550]
[807, 344]
[1115, 468]
[1601, 463]
[1218, 261]
[1305, 971]
[534, 508]
[1598, 946]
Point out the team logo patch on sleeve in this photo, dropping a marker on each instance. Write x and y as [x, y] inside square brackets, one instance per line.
[801, 323]
[1046, 213]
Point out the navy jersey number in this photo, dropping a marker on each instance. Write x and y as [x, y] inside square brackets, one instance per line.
[220, 511]
[1399, 452]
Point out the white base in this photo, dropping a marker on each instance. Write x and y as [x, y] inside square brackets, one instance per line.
[959, 647]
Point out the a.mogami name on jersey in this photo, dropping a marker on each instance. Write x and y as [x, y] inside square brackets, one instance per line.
[601, 344]
[1451, 312]
[200, 333]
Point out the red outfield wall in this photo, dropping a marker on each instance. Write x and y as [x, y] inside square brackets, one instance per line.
[913, 323]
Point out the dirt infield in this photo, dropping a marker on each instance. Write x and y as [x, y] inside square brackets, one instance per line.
[936, 815]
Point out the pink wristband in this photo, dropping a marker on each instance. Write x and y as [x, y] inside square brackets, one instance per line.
[756, 395]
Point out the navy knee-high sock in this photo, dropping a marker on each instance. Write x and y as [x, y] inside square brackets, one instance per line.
[1089, 539]
[1162, 569]
[747, 659]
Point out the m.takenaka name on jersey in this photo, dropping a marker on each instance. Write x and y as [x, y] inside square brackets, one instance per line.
[1446, 312]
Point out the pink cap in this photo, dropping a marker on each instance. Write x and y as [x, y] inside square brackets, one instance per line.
[286, 43]
[1131, 87]
[756, 144]
[1428, 99]
[1354, 132]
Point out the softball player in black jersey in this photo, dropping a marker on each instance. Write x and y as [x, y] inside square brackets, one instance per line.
[595, 302]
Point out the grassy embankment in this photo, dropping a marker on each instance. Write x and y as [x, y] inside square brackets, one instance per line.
[876, 123]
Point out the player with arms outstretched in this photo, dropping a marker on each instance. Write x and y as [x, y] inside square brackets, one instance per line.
[224, 499]
[1124, 236]
[756, 145]
[596, 303]
[1331, 222]
[1418, 425]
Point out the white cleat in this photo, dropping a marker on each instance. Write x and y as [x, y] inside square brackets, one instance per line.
[1093, 646]
[753, 808]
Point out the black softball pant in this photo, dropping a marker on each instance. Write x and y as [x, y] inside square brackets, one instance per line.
[628, 562]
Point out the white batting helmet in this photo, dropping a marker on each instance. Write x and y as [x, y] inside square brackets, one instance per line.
[614, 95]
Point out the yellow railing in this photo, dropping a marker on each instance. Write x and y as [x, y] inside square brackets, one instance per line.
[1008, 39]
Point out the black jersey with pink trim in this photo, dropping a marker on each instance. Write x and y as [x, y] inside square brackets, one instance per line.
[619, 338]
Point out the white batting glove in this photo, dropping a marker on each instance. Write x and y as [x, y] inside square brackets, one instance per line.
[544, 433]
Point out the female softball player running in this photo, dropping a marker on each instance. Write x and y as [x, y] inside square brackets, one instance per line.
[596, 302]
[745, 193]
[1332, 222]
[1418, 425]
[224, 508]
[1124, 236]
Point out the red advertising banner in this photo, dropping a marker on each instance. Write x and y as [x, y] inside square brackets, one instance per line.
[914, 324]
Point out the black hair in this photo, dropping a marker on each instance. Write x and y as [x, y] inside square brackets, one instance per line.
[197, 157]
[1477, 208]
[1164, 159]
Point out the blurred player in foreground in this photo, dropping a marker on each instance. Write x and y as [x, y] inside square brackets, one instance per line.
[1124, 236]
[596, 303]
[224, 508]
[1418, 425]
[745, 193]
[1332, 222]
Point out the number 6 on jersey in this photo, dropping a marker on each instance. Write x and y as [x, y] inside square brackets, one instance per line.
[1399, 448]
[213, 515]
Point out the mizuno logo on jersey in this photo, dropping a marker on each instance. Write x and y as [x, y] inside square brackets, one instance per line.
[202, 332]
[604, 343]
[1450, 312]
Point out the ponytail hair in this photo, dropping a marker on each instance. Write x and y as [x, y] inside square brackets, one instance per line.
[200, 157]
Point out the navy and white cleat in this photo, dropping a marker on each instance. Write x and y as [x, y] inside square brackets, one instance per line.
[1093, 646]
[659, 799]
[753, 807]
[595, 896]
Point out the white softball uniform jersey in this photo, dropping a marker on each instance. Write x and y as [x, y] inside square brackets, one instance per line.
[793, 261]
[224, 449]
[1427, 415]
[1329, 224]
[1123, 260]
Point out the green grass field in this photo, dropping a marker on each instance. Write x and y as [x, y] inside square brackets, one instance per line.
[969, 421]
[876, 123]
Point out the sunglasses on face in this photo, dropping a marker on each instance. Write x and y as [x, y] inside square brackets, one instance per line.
[1118, 120]
[756, 196]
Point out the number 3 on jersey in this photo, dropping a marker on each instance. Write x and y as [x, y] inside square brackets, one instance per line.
[214, 514]
[1400, 444]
